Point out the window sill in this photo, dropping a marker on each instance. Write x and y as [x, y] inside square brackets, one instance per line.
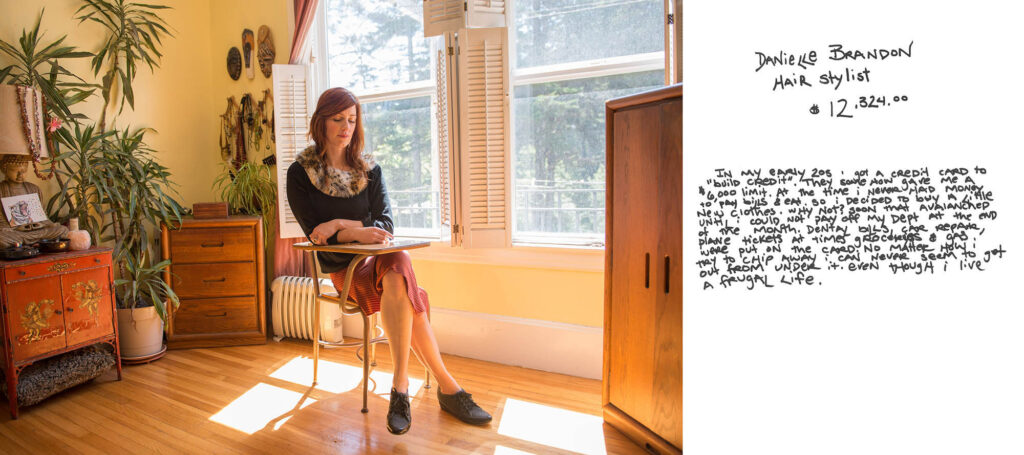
[578, 259]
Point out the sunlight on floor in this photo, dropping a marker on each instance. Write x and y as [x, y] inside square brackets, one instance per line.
[261, 405]
[336, 377]
[502, 450]
[555, 427]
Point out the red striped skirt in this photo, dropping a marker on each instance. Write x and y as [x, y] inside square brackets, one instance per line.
[368, 281]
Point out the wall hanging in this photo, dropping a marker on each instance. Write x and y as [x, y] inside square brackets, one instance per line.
[266, 51]
[248, 45]
[247, 127]
[234, 63]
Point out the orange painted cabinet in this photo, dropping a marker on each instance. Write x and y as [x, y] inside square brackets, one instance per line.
[53, 304]
[643, 341]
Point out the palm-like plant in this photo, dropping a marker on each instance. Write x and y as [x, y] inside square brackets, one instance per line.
[135, 33]
[37, 65]
[83, 186]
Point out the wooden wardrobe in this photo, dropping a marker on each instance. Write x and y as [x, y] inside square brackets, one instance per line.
[643, 313]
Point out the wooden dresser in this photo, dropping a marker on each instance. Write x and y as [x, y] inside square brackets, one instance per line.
[217, 271]
[643, 313]
[52, 304]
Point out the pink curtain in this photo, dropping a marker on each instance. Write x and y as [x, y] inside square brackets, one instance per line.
[287, 260]
[304, 10]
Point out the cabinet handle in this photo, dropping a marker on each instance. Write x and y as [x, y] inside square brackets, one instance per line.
[218, 280]
[667, 273]
[217, 315]
[21, 272]
[56, 312]
[213, 245]
[96, 260]
[647, 271]
[69, 309]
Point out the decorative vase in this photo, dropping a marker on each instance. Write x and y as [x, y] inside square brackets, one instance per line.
[80, 240]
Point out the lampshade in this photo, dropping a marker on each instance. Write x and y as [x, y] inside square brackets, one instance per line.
[13, 138]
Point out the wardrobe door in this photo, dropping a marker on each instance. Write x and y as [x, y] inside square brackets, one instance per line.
[634, 250]
[667, 398]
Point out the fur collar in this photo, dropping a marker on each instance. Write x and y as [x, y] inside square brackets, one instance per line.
[331, 181]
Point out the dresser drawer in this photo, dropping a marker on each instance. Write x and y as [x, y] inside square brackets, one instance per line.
[222, 244]
[214, 280]
[49, 268]
[238, 314]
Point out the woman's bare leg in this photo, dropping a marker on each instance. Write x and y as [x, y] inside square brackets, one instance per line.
[397, 318]
[425, 345]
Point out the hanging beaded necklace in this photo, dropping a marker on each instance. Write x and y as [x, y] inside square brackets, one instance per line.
[32, 125]
[30, 122]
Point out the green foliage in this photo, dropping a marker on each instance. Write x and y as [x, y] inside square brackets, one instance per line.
[134, 35]
[84, 187]
[250, 190]
[144, 285]
[120, 193]
[37, 65]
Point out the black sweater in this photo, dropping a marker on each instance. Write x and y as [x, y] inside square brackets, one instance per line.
[312, 207]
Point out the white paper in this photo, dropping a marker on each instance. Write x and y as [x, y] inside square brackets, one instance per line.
[871, 361]
[23, 209]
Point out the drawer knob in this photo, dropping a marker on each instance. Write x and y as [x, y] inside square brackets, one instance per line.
[213, 245]
[218, 280]
[21, 272]
[96, 260]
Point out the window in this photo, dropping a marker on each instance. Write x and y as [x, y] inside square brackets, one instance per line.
[525, 169]
[377, 50]
[570, 56]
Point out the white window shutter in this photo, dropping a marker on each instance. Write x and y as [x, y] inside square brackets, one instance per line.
[447, 158]
[440, 16]
[485, 13]
[484, 154]
[291, 127]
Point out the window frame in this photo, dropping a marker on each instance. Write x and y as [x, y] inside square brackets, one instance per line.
[559, 72]
[426, 87]
[574, 256]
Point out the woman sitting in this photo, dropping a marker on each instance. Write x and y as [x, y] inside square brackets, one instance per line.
[338, 195]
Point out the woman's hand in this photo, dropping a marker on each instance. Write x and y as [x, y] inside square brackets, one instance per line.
[324, 231]
[367, 235]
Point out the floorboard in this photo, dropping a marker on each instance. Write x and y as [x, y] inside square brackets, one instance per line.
[258, 399]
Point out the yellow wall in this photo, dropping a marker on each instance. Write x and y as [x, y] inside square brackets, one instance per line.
[185, 96]
[534, 293]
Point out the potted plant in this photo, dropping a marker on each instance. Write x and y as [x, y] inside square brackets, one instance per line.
[249, 190]
[107, 175]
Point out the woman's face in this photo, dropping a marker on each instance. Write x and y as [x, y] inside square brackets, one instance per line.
[340, 127]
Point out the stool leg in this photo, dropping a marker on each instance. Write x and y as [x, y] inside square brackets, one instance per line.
[366, 360]
[316, 337]
[425, 367]
[373, 348]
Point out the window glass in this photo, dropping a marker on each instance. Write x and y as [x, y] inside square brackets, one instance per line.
[374, 44]
[398, 135]
[561, 31]
[560, 155]
[375, 47]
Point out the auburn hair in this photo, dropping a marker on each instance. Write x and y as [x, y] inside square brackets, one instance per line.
[331, 103]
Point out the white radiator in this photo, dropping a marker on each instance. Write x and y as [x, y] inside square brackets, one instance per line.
[292, 310]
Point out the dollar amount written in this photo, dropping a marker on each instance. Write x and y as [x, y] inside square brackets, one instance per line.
[845, 108]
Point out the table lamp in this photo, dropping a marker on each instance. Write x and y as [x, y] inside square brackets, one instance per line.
[22, 127]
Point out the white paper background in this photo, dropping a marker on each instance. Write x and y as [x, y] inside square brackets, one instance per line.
[867, 362]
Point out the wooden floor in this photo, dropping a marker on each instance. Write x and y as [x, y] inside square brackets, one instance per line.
[258, 399]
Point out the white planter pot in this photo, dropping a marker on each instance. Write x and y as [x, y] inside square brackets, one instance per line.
[140, 331]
